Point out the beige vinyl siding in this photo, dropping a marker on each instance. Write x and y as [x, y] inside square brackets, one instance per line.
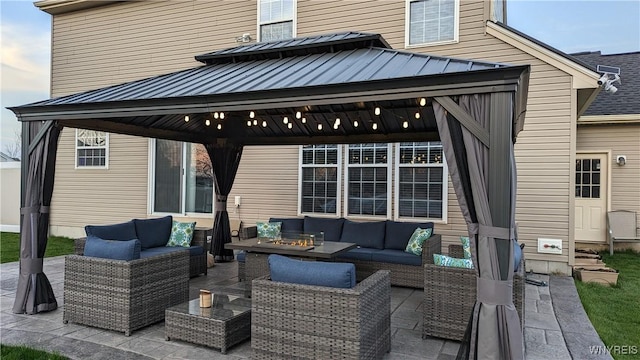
[132, 40]
[620, 140]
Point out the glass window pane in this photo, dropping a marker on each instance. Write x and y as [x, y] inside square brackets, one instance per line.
[595, 192]
[168, 173]
[199, 180]
[595, 178]
[586, 192]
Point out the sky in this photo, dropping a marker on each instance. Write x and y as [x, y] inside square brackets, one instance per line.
[610, 26]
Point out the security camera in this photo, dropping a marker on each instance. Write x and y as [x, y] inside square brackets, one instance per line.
[607, 80]
[621, 160]
[603, 80]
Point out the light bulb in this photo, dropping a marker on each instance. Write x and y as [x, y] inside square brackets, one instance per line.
[255, 122]
[248, 122]
[304, 120]
[319, 126]
[264, 123]
[338, 121]
[417, 115]
[405, 124]
[355, 123]
[221, 115]
[186, 118]
[335, 126]
[290, 125]
[252, 114]
[376, 111]
[216, 115]
[298, 114]
[423, 101]
[285, 120]
[207, 122]
[219, 126]
[375, 126]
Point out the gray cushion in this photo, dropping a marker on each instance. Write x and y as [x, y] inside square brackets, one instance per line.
[398, 233]
[123, 231]
[332, 228]
[145, 253]
[290, 225]
[318, 273]
[363, 254]
[153, 232]
[396, 257]
[365, 234]
[112, 249]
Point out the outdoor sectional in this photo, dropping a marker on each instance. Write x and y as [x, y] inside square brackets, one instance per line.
[153, 235]
[381, 246]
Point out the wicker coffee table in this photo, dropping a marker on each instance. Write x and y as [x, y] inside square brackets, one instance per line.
[226, 323]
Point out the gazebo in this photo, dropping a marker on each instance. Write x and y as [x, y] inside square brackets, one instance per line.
[334, 89]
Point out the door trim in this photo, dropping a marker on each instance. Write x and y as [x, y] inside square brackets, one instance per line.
[608, 155]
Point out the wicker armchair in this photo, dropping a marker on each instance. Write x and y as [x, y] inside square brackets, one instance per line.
[315, 322]
[124, 295]
[449, 296]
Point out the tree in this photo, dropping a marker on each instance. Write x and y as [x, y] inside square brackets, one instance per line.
[14, 149]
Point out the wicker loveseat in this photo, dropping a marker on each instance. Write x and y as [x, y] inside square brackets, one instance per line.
[153, 235]
[317, 322]
[381, 246]
[450, 294]
[124, 295]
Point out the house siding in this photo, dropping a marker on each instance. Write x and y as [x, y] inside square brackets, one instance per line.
[94, 48]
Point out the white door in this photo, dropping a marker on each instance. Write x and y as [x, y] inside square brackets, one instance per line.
[591, 173]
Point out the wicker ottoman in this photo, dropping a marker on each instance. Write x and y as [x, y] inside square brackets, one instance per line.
[226, 323]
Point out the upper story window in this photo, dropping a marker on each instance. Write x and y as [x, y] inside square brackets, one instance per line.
[498, 11]
[319, 174]
[431, 22]
[276, 19]
[92, 149]
[182, 180]
[368, 180]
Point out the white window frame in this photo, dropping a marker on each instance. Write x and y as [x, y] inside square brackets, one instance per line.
[445, 188]
[407, 27]
[183, 188]
[294, 20]
[106, 152]
[338, 183]
[347, 165]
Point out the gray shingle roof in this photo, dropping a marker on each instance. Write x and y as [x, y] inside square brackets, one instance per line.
[627, 99]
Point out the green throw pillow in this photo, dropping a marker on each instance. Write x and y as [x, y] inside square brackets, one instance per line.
[466, 246]
[269, 230]
[181, 234]
[444, 260]
[417, 240]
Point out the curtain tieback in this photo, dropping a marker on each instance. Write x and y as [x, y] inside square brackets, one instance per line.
[494, 292]
[34, 209]
[221, 203]
[491, 231]
[31, 265]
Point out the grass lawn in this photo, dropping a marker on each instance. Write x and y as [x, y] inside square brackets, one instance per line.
[8, 352]
[615, 310]
[10, 247]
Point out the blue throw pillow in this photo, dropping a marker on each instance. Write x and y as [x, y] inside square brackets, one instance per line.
[123, 231]
[365, 234]
[318, 273]
[153, 232]
[112, 249]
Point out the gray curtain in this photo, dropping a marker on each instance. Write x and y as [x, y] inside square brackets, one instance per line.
[40, 142]
[495, 331]
[225, 158]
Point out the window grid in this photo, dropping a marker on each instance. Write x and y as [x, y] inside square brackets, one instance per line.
[431, 21]
[367, 180]
[588, 178]
[319, 179]
[91, 149]
[276, 20]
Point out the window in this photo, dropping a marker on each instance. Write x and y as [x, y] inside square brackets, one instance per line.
[319, 179]
[276, 19]
[588, 178]
[421, 187]
[368, 180]
[182, 180]
[431, 22]
[497, 11]
[92, 149]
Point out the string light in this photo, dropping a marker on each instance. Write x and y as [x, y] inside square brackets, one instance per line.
[216, 115]
[405, 124]
[186, 118]
[298, 114]
[355, 123]
[207, 122]
[255, 122]
[304, 120]
[375, 126]
[219, 126]
[319, 126]
[376, 111]
[264, 123]
[222, 115]
[290, 125]
[285, 120]
[338, 121]
[423, 101]
[252, 114]
[417, 115]
[248, 122]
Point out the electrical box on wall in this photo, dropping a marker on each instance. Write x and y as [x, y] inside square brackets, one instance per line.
[550, 246]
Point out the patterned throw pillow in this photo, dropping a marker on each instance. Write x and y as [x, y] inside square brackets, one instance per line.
[444, 260]
[269, 230]
[181, 234]
[417, 240]
[466, 246]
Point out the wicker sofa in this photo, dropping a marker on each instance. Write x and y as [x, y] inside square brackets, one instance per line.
[124, 295]
[381, 246]
[149, 229]
[450, 294]
[316, 322]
